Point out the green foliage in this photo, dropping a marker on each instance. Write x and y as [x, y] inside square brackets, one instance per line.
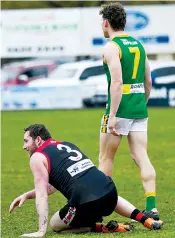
[57, 4]
[24, 4]
[46, 4]
[82, 128]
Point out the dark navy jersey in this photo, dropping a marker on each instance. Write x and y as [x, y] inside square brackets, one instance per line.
[73, 173]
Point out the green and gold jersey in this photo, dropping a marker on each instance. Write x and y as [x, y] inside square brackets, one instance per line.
[132, 58]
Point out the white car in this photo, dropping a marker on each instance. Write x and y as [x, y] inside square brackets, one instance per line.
[162, 72]
[95, 91]
[68, 73]
[96, 87]
[71, 74]
[90, 75]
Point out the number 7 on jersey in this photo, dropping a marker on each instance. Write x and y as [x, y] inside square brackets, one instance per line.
[136, 52]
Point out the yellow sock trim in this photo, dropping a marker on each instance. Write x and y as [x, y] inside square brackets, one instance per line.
[150, 194]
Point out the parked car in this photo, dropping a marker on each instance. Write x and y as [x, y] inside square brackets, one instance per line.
[96, 87]
[95, 91]
[90, 75]
[162, 72]
[68, 73]
[18, 73]
[77, 73]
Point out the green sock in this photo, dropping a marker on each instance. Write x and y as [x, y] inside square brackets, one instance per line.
[150, 203]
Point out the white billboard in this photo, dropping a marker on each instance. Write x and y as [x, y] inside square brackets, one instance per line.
[47, 32]
[152, 25]
[77, 31]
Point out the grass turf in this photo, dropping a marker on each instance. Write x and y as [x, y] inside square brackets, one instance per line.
[82, 128]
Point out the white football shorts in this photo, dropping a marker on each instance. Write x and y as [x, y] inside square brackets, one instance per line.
[124, 125]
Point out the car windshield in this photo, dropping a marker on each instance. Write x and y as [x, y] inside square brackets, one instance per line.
[61, 73]
[9, 74]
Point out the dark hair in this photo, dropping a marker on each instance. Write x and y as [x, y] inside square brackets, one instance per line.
[38, 130]
[115, 14]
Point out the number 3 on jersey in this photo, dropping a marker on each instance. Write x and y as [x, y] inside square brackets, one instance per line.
[136, 52]
[69, 150]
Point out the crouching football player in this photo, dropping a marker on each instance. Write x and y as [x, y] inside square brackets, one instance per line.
[91, 195]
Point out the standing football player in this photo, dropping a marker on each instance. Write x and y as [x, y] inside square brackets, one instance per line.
[129, 85]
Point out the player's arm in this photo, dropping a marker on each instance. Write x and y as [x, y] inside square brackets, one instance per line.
[29, 195]
[148, 80]
[41, 177]
[112, 57]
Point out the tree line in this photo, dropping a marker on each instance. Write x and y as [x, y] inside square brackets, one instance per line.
[59, 4]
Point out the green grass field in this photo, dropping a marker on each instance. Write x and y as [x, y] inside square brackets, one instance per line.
[82, 128]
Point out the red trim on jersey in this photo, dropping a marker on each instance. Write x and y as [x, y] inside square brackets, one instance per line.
[48, 160]
[59, 142]
[50, 141]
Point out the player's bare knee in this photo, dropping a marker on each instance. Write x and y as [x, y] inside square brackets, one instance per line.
[105, 162]
[55, 227]
[153, 174]
[148, 175]
[104, 157]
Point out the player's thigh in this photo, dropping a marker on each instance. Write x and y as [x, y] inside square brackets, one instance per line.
[82, 215]
[108, 142]
[108, 203]
[58, 221]
[137, 140]
[108, 145]
[92, 212]
[137, 136]
[138, 147]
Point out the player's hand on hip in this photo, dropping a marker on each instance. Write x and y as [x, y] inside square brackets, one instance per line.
[112, 125]
[35, 234]
[17, 202]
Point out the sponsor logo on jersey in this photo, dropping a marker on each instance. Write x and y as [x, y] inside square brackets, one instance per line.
[80, 167]
[127, 42]
[133, 88]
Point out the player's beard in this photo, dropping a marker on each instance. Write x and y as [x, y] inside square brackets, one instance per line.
[32, 150]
